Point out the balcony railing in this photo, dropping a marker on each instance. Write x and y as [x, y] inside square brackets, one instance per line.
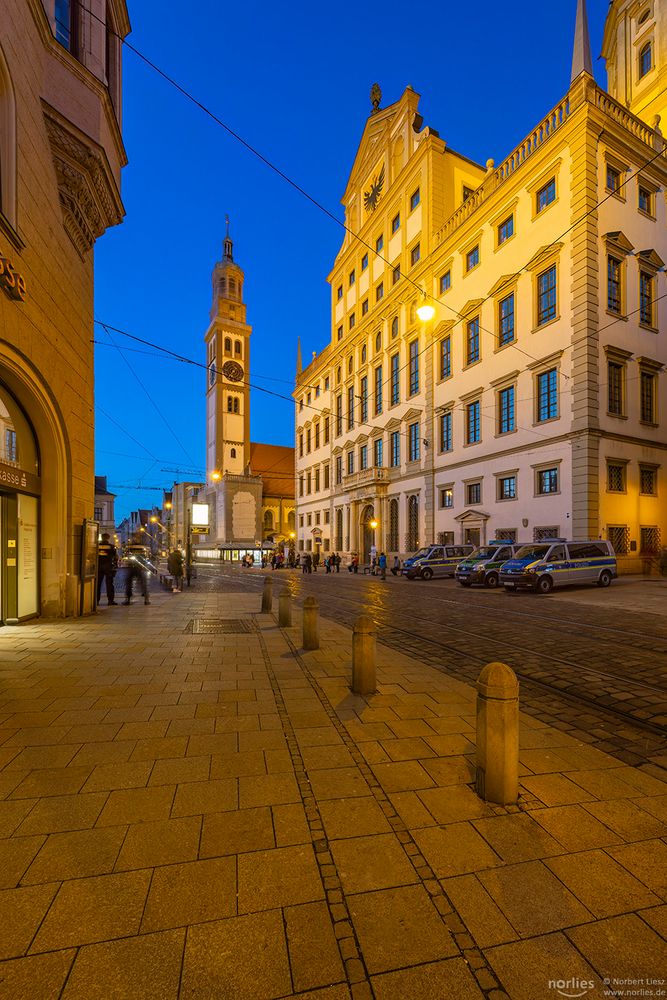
[366, 477]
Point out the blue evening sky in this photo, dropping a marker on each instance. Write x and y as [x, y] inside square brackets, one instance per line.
[294, 81]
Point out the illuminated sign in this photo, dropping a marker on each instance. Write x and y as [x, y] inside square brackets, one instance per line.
[11, 282]
[199, 517]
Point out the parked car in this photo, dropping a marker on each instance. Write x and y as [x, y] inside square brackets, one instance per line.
[435, 560]
[483, 565]
[557, 562]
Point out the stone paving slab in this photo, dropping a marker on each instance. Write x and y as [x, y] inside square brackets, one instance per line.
[192, 815]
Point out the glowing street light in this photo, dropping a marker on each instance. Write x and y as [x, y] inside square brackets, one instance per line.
[215, 476]
[426, 312]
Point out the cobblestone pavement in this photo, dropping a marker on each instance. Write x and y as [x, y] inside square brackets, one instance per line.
[191, 806]
[597, 670]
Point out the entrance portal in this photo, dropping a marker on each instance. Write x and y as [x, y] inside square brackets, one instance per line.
[367, 533]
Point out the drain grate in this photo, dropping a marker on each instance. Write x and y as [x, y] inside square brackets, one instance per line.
[219, 626]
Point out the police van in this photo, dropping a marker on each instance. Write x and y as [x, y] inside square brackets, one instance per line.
[555, 562]
[435, 560]
[483, 565]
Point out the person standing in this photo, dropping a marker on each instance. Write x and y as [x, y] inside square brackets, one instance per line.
[175, 567]
[107, 564]
[136, 570]
[382, 563]
[308, 563]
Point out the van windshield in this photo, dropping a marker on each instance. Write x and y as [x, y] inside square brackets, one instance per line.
[422, 553]
[532, 552]
[484, 552]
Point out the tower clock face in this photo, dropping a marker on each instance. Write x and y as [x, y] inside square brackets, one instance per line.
[232, 370]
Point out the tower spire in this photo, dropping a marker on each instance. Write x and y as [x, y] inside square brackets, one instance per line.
[582, 61]
[227, 245]
[299, 362]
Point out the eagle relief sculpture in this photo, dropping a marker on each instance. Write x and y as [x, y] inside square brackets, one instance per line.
[372, 196]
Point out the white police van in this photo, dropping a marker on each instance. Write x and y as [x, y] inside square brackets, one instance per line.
[556, 562]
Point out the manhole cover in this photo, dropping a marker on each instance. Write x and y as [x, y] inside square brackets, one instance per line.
[218, 626]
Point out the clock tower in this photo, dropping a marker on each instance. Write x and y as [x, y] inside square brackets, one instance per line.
[228, 366]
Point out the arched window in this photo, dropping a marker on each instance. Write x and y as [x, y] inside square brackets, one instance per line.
[228, 345]
[645, 59]
[392, 537]
[412, 537]
[291, 520]
[237, 347]
[339, 529]
[268, 520]
[236, 404]
[230, 404]
[350, 365]
[232, 288]
[232, 453]
[378, 342]
[363, 355]
[338, 374]
[394, 327]
[7, 144]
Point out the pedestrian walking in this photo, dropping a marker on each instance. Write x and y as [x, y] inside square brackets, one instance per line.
[175, 567]
[337, 563]
[309, 563]
[396, 568]
[107, 564]
[382, 563]
[136, 570]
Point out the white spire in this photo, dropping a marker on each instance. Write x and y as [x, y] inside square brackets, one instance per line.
[581, 55]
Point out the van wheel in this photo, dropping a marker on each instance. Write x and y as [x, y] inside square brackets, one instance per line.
[491, 580]
[604, 579]
[427, 574]
[544, 585]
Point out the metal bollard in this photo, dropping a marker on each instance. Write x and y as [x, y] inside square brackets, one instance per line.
[363, 656]
[311, 623]
[285, 609]
[267, 596]
[497, 761]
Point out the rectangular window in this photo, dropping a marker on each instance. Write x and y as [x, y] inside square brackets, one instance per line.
[648, 480]
[507, 488]
[505, 230]
[308, 440]
[326, 430]
[350, 408]
[300, 445]
[467, 191]
[339, 469]
[414, 200]
[396, 223]
[363, 456]
[326, 384]
[445, 282]
[474, 493]
[645, 200]
[364, 307]
[378, 458]
[473, 433]
[472, 258]
[446, 431]
[445, 357]
[613, 284]
[326, 479]
[615, 388]
[300, 486]
[413, 438]
[353, 320]
[67, 25]
[379, 243]
[350, 463]
[613, 179]
[546, 195]
[546, 295]
[395, 449]
[339, 415]
[339, 292]
[472, 341]
[506, 320]
[547, 481]
[415, 254]
[378, 390]
[646, 299]
[506, 410]
[619, 536]
[615, 477]
[363, 407]
[647, 397]
[414, 367]
[353, 277]
[326, 521]
[649, 540]
[364, 262]
[309, 484]
[317, 480]
[379, 291]
[395, 380]
[396, 274]
[447, 497]
[547, 395]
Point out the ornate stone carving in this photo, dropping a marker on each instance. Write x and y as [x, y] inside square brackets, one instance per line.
[89, 197]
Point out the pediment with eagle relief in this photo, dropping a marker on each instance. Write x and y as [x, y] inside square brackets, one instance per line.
[372, 194]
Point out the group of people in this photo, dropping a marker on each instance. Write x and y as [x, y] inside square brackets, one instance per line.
[107, 567]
